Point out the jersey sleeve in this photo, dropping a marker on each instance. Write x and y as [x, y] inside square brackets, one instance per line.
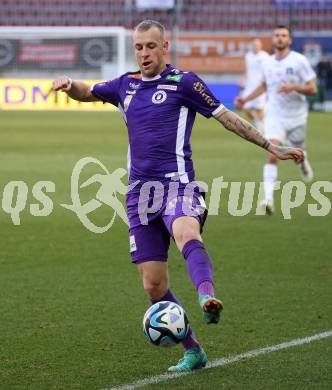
[306, 71]
[198, 97]
[107, 92]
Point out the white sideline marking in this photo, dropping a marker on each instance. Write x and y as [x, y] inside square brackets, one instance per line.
[224, 361]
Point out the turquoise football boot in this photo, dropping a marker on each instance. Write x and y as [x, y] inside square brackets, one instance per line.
[193, 359]
[212, 308]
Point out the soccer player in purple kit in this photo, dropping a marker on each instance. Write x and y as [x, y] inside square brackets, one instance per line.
[159, 104]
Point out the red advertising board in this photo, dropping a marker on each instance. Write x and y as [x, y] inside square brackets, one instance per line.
[209, 53]
[46, 53]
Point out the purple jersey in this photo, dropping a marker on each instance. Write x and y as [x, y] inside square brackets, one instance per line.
[159, 114]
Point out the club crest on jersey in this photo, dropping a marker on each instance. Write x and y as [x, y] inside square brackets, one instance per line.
[289, 71]
[159, 97]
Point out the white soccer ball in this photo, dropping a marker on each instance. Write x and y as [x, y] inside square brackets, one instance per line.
[165, 323]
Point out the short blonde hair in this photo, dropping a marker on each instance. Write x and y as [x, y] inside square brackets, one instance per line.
[145, 25]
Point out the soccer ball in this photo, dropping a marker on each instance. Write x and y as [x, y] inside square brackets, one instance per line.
[165, 323]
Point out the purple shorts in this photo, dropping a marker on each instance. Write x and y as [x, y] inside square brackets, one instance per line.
[151, 241]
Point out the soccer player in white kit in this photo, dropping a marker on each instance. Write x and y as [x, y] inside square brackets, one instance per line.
[254, 60]
[287, 78]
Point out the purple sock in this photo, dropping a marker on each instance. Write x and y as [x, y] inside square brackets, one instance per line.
[206, 288]
[190, 341]
[199, 266]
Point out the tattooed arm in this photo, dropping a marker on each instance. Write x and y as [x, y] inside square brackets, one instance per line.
[244, 129]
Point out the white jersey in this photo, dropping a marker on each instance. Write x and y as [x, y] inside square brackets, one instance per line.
[290, 108]
[254, 70]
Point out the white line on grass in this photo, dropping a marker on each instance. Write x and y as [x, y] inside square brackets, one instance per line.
[225, 361]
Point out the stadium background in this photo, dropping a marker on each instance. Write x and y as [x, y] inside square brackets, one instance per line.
[71, 302]
[209, 40]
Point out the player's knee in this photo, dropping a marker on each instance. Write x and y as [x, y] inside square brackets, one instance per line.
[188, 234]
[155, 289]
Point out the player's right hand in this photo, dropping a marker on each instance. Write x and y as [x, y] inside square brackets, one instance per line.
[62, 83]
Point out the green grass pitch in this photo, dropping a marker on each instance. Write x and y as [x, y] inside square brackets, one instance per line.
[71, 303]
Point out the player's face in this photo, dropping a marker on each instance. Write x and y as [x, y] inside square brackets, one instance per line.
[281, 39]
[150, 51]
[256, 45]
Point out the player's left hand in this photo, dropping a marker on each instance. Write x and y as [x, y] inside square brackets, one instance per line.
[286, 153]
[286, 88]
[239, 102]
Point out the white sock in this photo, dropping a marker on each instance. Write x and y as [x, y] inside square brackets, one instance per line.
[270, 174]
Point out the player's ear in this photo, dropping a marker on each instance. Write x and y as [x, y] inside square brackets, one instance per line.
[165, 47]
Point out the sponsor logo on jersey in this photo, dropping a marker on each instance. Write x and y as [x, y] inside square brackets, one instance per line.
[130, 92]
[175, 77]
[200, 88]
[165, 86]
[159, 97]
[289, 71]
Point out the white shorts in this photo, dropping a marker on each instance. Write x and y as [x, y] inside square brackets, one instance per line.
[292, 136]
